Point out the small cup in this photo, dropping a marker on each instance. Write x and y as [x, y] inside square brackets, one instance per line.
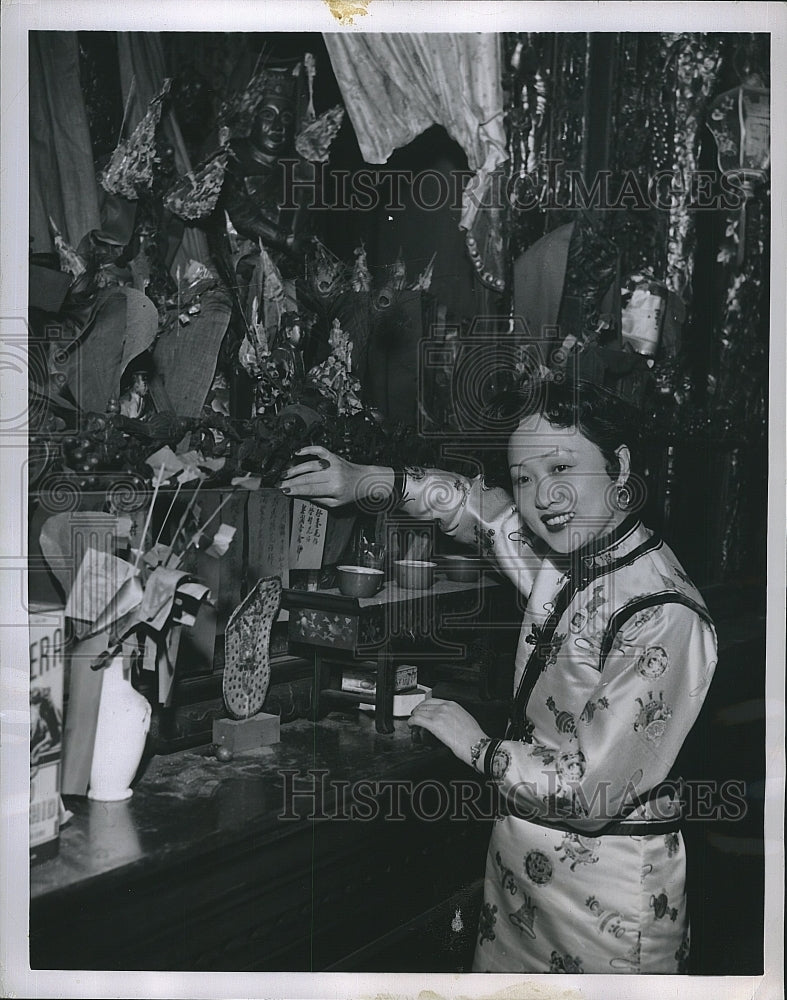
[460, 569]
[359, 581]
[415, 574]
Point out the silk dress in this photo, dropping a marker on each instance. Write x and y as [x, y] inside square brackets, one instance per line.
[586, 867]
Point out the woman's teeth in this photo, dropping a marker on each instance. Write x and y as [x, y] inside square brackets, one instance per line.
[557, 519]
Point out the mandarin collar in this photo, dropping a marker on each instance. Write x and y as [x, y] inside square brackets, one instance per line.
[608, 540]
[578, 564]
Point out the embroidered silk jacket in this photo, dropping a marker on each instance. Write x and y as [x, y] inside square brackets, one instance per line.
[614, 658]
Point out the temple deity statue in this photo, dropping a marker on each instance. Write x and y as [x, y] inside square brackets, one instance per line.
[255, 193]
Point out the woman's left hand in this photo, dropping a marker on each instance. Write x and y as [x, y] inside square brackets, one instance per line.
[450, 723]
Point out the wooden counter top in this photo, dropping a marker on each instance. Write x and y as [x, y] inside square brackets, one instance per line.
[189, 803]
[199, 872]
[202, 871]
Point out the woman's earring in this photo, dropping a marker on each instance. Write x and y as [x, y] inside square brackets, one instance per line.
[624, 497]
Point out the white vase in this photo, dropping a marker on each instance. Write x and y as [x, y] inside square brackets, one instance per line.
[123, 724]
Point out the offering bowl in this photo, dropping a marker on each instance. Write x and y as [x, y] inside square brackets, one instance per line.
[461, 569]
[359, 581]
[415, 574]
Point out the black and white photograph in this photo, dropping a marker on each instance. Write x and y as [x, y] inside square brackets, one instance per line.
[393, 547]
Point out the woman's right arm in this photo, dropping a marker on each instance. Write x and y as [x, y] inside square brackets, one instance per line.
[465, 509]
[332, 481]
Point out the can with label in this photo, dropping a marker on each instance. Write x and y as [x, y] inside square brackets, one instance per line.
[47, 647]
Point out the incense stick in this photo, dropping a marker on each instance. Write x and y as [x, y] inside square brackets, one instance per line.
[263, 55]
[186, 512]
[156, 488]
[166, 516]
[177, 317]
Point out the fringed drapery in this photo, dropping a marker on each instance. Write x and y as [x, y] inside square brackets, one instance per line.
[396, 86]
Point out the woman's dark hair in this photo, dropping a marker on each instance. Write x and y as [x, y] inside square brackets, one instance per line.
[599, 414]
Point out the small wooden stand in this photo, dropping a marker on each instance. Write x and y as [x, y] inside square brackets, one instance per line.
[237, 735]
[395, 625]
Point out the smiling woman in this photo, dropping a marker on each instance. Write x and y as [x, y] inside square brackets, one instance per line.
[561, 483]
[570, 457]
[614, 659]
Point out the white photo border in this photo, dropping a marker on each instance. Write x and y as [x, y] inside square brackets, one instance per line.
[21, 16]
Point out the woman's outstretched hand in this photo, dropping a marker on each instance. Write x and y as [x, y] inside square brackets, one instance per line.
[450, 723]
[333, 481]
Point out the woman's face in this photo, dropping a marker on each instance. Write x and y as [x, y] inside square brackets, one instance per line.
[561, 485]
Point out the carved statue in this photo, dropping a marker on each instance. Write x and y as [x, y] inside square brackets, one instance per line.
[287, 354]
[256, 180]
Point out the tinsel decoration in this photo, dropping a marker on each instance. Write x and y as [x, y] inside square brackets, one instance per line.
[526, 86]
[644, 127]
[130, 168]
[590, 268]
[732, 422]
[737, 391]
[236, 115]
[315, 139]
[528, 116]
[195, 195]
[697, 60]
[568, 126]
